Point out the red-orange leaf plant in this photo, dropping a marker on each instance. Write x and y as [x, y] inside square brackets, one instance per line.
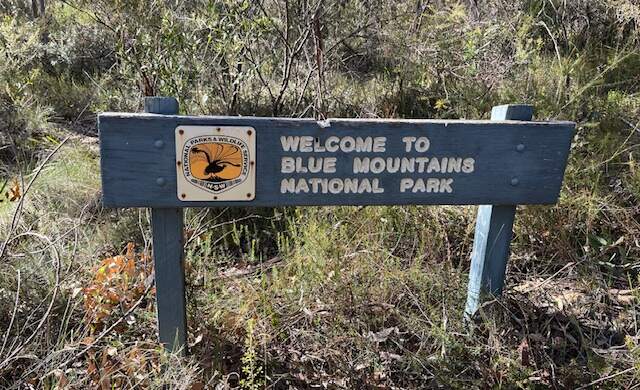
[117, 284]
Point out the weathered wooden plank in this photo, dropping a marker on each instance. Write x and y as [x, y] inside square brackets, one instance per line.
[491, 242]
[494, 230]
[513, 112]
[515, 162]
[167, 226]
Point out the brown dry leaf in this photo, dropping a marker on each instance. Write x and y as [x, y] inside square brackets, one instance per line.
[134, 360]
[105, 379]
[361, 366]
[623, 297]
[92, 369]
[390, 356]
[566, 299]
[14, 192]
[87, 340]
[382, 335]
[129, 268]
[196, 341]
[528, 286]
[62, 379]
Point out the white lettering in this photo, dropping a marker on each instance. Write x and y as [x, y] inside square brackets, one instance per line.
[422, 161]
[467, 165]
[434, 165]
[332, 144]
[422, 144]
[289, 143]
[364, 144]
[329, 165]
[336, 186]
[299, 167]
[361, 165]
[408, 141]
[315, 182]
[317, 185]
[364, 186]
[302, 186]
[454, 165]
[376, 187]
[379, 144]
[407, 164]
[405, 184]
[443, 164]
[306, 144]
[445, 185]
[419, 186]
[393, 164]
[350, 186]
[377, 164]
[288, 165]
[433, 185]
[315, 164]
[317, 147]
[347, 144]
[287, 185]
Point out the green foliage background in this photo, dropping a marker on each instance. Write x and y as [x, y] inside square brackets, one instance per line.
[349, 297]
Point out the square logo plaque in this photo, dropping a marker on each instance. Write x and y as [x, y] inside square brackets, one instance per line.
[216, 163]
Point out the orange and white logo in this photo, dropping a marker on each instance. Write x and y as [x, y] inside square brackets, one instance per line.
[215, 162]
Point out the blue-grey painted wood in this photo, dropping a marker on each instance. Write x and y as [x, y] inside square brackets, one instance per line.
[167, 226]
[160, 105]
[494, 227]
[515, 162]
[494, 230]
[515, 112]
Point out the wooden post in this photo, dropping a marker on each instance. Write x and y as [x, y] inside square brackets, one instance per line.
[167, 225]
[494, 230]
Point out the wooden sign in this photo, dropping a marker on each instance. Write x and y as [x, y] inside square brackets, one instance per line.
[182, 161]
[168, 162]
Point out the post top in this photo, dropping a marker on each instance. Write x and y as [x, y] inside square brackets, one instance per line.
[160, 105]
[518, 112]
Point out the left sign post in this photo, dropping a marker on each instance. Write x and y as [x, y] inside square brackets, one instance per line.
[167, 227]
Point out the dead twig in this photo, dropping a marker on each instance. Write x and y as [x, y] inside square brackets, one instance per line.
[604, 378]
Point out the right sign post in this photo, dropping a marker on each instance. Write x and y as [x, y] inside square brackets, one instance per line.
[494, 230]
